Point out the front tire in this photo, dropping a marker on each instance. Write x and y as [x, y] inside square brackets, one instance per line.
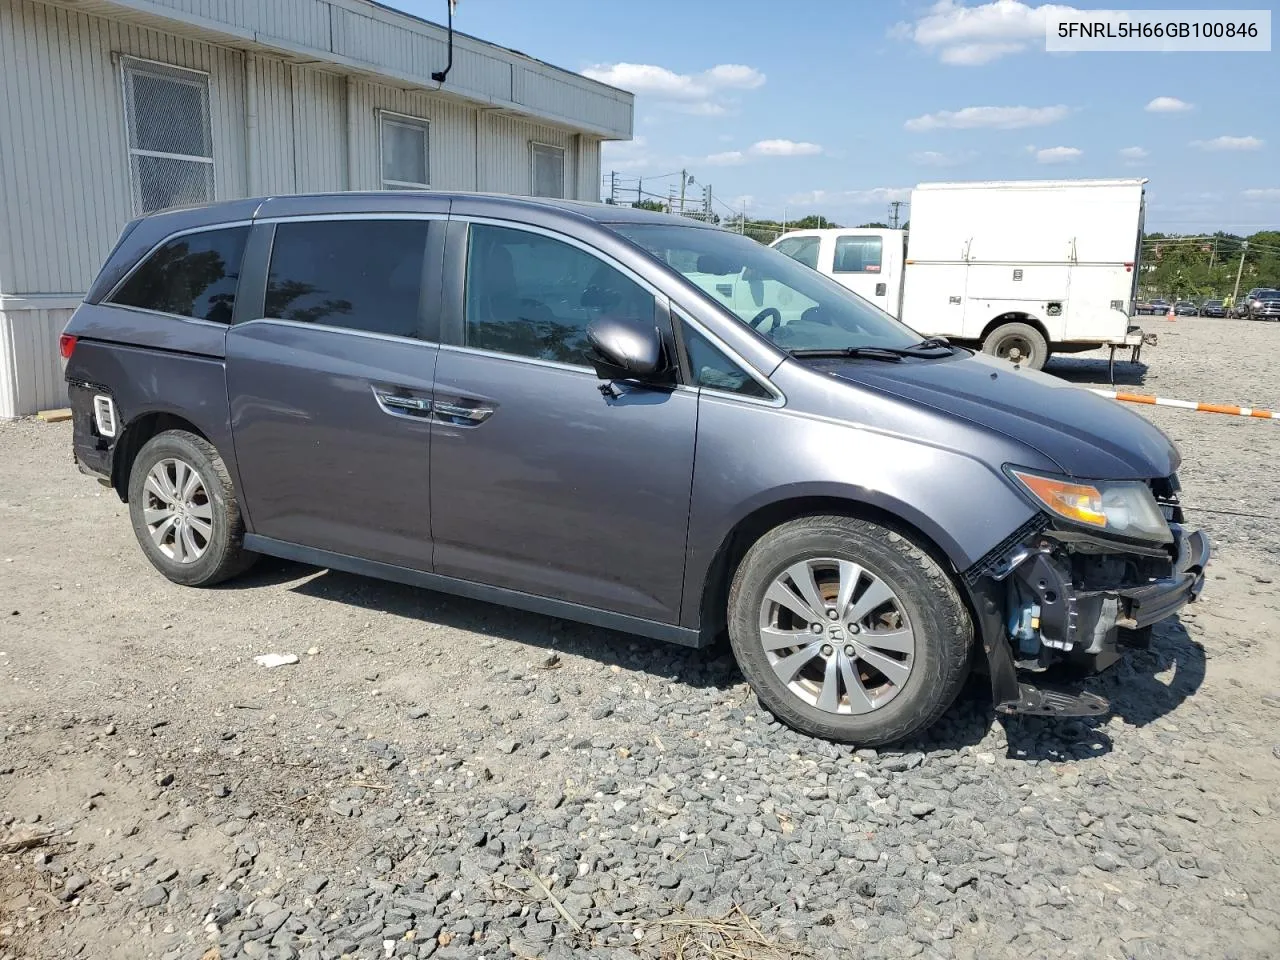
[184, 510]
[1017, 343]
[886, 665]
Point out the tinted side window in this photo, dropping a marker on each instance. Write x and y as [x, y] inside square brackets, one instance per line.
[360, 274]
[804, 249]
[533, 296]
[715, 371]
[858, 255]
[192, 276]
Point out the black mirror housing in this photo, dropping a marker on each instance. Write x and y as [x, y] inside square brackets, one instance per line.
[622, 350]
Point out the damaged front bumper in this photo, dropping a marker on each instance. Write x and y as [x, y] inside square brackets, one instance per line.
[1048, 596]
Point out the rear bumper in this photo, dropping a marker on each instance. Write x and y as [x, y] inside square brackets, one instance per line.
[92, 452]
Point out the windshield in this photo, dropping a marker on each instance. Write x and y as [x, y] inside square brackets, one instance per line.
[791, 304]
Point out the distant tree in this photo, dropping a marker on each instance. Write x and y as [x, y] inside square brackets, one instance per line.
[873, 225]
[654, 205]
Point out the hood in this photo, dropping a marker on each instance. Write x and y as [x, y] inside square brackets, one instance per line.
[1087, 436]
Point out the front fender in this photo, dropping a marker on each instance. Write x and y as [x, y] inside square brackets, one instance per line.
[751, 458]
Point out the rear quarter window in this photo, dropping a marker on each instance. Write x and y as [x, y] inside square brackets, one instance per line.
[193, 275]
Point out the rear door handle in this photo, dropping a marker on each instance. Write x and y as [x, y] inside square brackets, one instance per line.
[460, 414]
[398, 406]
[881, 289]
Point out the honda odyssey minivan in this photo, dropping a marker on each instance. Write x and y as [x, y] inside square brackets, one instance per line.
[631, 420]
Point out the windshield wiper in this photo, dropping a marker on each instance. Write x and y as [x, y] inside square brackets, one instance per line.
[890, 354]
[926, 348]
[933, 343]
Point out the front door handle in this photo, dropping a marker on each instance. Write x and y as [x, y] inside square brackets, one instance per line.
[881, 289]
[460, 414]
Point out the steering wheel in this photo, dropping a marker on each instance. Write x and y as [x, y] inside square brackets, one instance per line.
[764, 314]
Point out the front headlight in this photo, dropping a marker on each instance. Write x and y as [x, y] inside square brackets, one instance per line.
[1124, 508]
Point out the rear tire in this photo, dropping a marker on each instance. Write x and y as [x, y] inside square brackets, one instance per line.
[887, 666]
[184, 510]
[1018, 343]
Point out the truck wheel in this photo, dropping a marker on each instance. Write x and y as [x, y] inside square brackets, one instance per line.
[184, 510]
[848, 631]
[1017, 343]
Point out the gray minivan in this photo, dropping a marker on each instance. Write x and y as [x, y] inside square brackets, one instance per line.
[631, 420]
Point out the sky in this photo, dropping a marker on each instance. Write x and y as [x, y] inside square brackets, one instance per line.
[840, 106]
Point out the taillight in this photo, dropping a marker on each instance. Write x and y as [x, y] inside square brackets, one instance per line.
[66, 345]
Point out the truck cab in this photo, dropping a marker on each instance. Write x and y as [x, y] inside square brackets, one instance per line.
[867, 261]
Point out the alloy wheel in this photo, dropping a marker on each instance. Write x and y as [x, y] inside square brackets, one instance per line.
[837, 635]
[177, 510]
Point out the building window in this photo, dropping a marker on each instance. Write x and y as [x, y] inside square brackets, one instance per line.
[548, 171]
[404, 143]
[170, 142]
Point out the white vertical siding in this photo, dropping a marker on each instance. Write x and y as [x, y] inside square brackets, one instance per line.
[589, 168]
[274, 142]
[30, 367]
[320, 130]
[64, 170]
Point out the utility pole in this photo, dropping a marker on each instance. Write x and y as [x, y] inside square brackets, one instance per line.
[613, 186]
[684, 179]
[894, 216]
[784, 219]
[1244, 245]
[639, 191]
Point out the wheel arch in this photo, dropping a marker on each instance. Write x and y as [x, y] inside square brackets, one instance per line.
[1016, 316]
[759, 521]
[136, 433]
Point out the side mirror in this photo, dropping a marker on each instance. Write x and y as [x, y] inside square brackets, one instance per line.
[625, 351]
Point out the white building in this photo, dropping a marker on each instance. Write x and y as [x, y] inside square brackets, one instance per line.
[112, 108]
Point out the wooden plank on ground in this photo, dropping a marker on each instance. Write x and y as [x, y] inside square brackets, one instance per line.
[55, 416]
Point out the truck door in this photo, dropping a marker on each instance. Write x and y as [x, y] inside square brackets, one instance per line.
[868, 263]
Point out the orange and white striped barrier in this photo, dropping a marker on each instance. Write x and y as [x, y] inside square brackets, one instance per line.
[1188, 404]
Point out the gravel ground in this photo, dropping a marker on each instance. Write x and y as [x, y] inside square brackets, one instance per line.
[443, 778]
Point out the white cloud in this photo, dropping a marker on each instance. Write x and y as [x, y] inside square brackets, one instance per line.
[1133, 154]
[700, 94]
[971, 36]
[1229, 143]
[998, 118]
[1167, 105]
[633, 154]
[1261, 193]
[935, 158]
[784, 148]
[1056, 154]
[850, 198]
[764, 148]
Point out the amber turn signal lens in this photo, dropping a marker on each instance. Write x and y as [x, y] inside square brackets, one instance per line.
[1075, 501]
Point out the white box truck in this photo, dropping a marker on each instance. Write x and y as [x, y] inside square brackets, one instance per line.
[1024, 268]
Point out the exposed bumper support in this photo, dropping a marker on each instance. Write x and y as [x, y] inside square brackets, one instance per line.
[1096, 620]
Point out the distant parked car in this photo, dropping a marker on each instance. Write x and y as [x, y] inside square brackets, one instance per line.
[1159, 306]
[1140, 307]
[1213, 308]
[1185, 308]
[1242, 308]
[1265, 306]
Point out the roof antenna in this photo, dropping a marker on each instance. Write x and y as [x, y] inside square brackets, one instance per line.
[439, 75]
